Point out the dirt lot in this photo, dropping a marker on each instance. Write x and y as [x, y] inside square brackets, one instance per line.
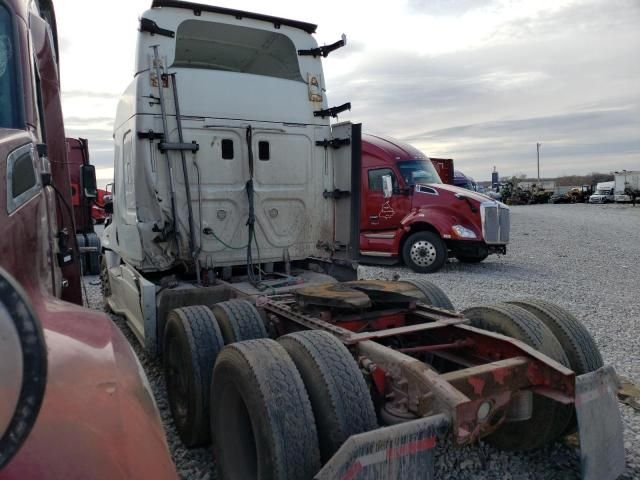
[586, 258]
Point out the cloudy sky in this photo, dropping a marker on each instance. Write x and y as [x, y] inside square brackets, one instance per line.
[480, 81]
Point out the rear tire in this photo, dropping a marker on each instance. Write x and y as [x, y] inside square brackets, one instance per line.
[549, 418]
[424, 252]
[433, 295]
[93, 258]
[192, 341]
[261, 417]
[239, 320]
[339, 395]
[576, 341]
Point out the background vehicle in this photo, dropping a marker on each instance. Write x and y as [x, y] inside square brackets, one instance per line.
[214, 260]
[627, 186]
[580, 194]
[83, 200]
[444, 167]
[424, 220]
[463, 181]
[604, 193]
[99, 210]
[574, 195]
[70, 384]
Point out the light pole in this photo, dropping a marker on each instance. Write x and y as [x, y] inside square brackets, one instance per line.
[538, 148]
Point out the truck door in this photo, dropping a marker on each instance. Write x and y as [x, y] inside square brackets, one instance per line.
[381, 213]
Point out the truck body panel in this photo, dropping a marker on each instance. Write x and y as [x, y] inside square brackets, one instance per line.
[51, 128]
[288, 171]
[77, 156]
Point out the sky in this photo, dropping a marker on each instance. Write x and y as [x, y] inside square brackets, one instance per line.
[479, 81]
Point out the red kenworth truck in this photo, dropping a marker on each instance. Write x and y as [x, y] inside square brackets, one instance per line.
[74, 401]
[418, 219]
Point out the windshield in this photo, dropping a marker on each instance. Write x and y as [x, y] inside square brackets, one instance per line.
[9, 93]
[603, 192]
[418, 171]
[218, 46]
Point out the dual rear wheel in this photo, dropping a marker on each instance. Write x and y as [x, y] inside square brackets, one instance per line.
[556, 333]
[284, 408]
[279, 408]
[193, 338]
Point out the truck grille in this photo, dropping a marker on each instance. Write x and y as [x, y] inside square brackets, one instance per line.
[495, 223]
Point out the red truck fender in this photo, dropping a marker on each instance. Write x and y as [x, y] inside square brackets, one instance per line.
[438, 219]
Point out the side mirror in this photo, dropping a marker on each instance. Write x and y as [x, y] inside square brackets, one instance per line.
[88, 181]
[108, 207]
[23, 369]
[387, 186]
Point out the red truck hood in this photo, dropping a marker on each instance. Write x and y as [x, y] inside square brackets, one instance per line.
[98, 419]
[478, 197]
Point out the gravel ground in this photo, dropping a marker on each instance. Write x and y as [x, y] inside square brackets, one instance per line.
[585, 258]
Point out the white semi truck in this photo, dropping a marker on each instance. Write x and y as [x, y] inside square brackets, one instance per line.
[236, 211]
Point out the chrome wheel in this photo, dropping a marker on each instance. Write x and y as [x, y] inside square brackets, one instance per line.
[423, 253]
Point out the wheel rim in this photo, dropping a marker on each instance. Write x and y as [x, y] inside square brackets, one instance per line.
[176, 386]
[423, 253]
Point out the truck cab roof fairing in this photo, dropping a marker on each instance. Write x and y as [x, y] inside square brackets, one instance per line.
[239, 14]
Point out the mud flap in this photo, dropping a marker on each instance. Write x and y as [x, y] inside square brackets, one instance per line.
[400, 451]
[600, 425]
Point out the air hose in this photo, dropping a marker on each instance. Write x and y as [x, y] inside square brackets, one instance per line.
[251, 220]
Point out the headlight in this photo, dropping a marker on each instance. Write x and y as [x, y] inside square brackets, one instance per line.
[463, 232]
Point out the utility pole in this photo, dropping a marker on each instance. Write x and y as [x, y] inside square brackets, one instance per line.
[538, 148]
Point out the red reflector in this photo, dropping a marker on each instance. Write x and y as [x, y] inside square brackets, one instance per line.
[390, 455]
[354, 470]
[413, 447]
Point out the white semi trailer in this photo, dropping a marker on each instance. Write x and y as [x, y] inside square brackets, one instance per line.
[236, 210]
[627, 186]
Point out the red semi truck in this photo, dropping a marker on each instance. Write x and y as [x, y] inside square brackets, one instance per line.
[74, 401]
[84, 198]
[419, 220]
[87, 209]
